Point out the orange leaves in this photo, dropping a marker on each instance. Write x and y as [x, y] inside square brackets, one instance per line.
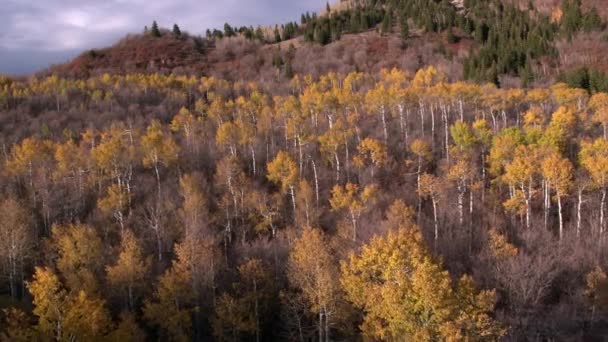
[371, 152]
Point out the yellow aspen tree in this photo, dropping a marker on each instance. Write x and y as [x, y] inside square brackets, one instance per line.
[395, 281]
[33, 160]
[127, 330]
[244, 311]
[399, 215]
[17, 238]
[72, 164]
[194, 212]
[520, 175]
[115, 203]
[354, 200]
[599, 104]
[593, 157]
[127, 275]
[187, 124]
[461, 174]
[378, 102]
[561, 129]
[371, 153]
[115, 155]
[558, 172]
[283, 171]
[422, 150]
[312, 269]
[80, 253]
[597, 290]
[170, 308]
[158, 149]
[66, 315]
[430, 187]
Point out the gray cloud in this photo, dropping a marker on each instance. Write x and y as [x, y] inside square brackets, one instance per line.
[35, 33]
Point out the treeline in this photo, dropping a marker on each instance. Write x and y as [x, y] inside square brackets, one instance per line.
[351, 206]
[510, 40]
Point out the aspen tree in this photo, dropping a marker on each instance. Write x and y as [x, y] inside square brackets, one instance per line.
[558, 171]
[312, 269]
[594, 158]
[158, 149]
[430, 186]
[284, 172]
[129, 272]
[354, 200]
[17, 238]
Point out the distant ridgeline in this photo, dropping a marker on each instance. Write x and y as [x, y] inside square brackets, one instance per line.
[510, 39]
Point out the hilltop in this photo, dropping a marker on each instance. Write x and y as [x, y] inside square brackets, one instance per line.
[504, 43]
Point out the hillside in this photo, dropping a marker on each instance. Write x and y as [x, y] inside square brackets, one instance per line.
[469, 49]
[392, 171]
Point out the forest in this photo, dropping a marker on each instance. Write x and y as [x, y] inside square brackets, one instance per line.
[359, 206]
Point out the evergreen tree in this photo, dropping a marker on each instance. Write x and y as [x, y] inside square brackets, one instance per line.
[155, 32]
[277, 34]
[387, 22]
[228, 30]
[451, 37]
[405, 29]
[176, 31]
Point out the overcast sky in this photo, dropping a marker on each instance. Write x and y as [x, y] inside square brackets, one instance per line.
[37, 33]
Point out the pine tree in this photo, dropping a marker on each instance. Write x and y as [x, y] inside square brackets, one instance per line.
[154, 31]
[405, 29]
[176, 31]
[387, 22]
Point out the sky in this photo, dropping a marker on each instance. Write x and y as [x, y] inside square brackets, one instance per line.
[37, 33]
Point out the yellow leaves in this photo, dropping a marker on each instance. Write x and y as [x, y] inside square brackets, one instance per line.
[516, 203]
[460, 171]
[560, 129]
[421, 149]
[523, 166]
[312, 269]
[500, 247]
[400, 215]
[227, 135]
[130, 268]
[594, 158]
[482, 132]
[115, 152]
[64, 315]
[48, 295]
[371, 152]
[405, 293]
[283, 171]
[503, 148]
[558, 172]
[597, 288]
[116, 200]
[430, 186]
[29, 155]
[351, 197]
[533, 118]
[158, 146]
[80, 255]
[426, 78]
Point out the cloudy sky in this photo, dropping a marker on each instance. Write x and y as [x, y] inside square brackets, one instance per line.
[36, 33]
